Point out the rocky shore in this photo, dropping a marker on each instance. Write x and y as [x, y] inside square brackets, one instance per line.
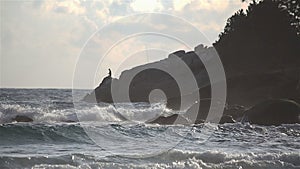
[261, 61]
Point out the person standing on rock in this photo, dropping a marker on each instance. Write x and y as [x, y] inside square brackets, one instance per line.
[109, 73]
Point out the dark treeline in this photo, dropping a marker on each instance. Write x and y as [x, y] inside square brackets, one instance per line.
[293, 9]
[263, 38]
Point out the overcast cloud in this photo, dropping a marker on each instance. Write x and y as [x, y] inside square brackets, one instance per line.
[41, 40]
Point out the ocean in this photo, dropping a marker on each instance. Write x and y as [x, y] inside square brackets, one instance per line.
[102, 138]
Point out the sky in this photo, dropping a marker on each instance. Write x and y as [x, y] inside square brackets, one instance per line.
[48, 44]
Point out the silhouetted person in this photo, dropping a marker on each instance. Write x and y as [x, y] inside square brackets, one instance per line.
[109, 72]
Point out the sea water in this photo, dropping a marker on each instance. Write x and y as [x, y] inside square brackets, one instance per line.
[60, 137]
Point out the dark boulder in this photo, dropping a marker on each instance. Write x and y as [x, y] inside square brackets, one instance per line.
[22, 118]
[273, 112]
[226, 119]
[169, 120]
[102, 93]
[198, 112]
[231, 114]
[234, 111]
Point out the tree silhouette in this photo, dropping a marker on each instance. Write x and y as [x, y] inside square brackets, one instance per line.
[293, 9]
[261, 39]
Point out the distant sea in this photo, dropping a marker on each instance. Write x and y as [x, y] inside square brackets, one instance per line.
[56, 139]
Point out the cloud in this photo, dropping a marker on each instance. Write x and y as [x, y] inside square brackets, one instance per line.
[210, 5]
[146, 6]
[178, 5]
[41, 40]
[40, 47]
[209, 16]
[68, 6]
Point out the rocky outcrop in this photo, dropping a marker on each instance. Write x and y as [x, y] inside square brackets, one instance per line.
[145, 78]
[226, 119]
[181, 119]
[251, 89]
[102, 93]
[230, 114]
[260, 56]
[169, 120]
[243, 90]
[273, 112]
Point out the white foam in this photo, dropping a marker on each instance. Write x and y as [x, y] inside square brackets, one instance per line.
[38, 114]
[96, 113]
[196, 160]
[106, 113]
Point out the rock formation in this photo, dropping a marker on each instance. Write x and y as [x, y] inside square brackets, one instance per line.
[22, 118]
[259, 50]
[273, 112]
